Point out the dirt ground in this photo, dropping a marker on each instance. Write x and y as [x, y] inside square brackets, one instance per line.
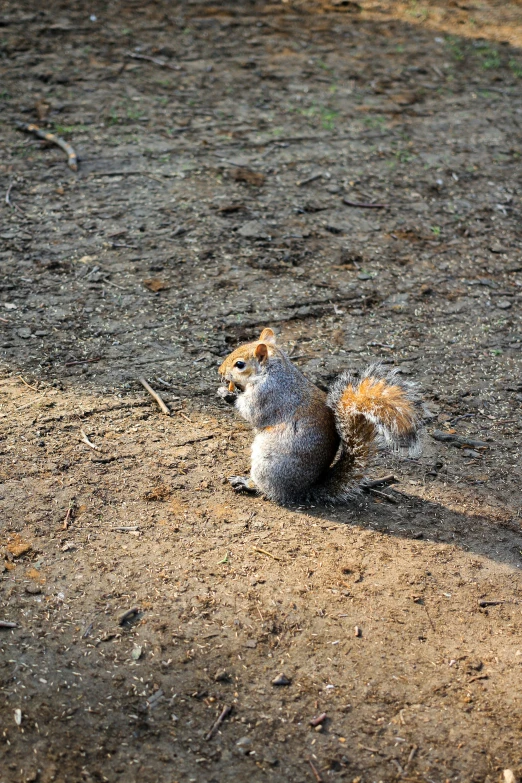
[209, 202]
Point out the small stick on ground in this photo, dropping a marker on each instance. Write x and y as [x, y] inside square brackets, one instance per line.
[413, 751]
[315, 771]
[264, 552]
[155, 60]
[460, 441]
[6, 624]
[385, 481]
[130, 614]
[72, 158]
[8, 195]
[301, 183]
[382, 495]
[164, 383]
[83, 361]
[217, 723]
[34, 388]
[364, 205]
[67, 518]
[185, 417]
[86, 440]
[429, 617]
[8, 198]
[155, 396]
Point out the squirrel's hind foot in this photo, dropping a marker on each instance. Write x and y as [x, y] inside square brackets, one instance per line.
[242, 484]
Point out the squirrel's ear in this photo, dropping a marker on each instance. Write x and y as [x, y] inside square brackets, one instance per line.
[261, 352]
[267, 335]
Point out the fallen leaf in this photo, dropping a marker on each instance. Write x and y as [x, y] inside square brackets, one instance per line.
[155, 285]
[42, 109]
[162, 492]
[404, 98]
[33, 573]
[18, 547]
[248, 176]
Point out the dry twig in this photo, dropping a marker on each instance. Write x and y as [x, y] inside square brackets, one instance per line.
[382, 495]
[72, 158]
[155, 60]
[83, 361]
[86, 440]
[317, 721]
[217, 723]
[364, 205]
[315, 771]
[8, 195]
[34, 388]
[67, 518]
[264, 552]
[385, 481]
[155, 396]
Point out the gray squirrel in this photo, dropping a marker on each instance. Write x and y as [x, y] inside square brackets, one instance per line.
[300, 430]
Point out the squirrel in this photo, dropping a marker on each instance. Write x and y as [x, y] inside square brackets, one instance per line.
[310, 446]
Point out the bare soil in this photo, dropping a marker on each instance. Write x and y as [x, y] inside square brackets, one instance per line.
[210, 202]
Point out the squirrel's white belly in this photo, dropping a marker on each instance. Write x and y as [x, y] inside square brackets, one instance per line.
[282, 467]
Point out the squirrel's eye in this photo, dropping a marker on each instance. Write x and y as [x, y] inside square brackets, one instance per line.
[240, 365]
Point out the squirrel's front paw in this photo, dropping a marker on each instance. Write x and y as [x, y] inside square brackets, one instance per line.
[242, 484]
[226, 395]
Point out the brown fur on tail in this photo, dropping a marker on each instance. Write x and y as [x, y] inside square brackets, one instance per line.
[377, 410]
[383, 402]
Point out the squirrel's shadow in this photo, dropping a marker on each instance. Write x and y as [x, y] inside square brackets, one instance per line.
[429, 521]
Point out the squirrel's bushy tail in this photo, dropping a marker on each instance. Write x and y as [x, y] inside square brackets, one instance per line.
[379, 409]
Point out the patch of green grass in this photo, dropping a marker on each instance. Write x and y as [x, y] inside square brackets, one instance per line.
[455, 47]
[418, 11]
[326, 116]
[516, 68]
[70, 128]
[328, 119]
[4, 95]
[377, 121]
[436, 230]
[490, 57]
[403, 156]
[133, 113]
[113, 118]
[324, 66]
